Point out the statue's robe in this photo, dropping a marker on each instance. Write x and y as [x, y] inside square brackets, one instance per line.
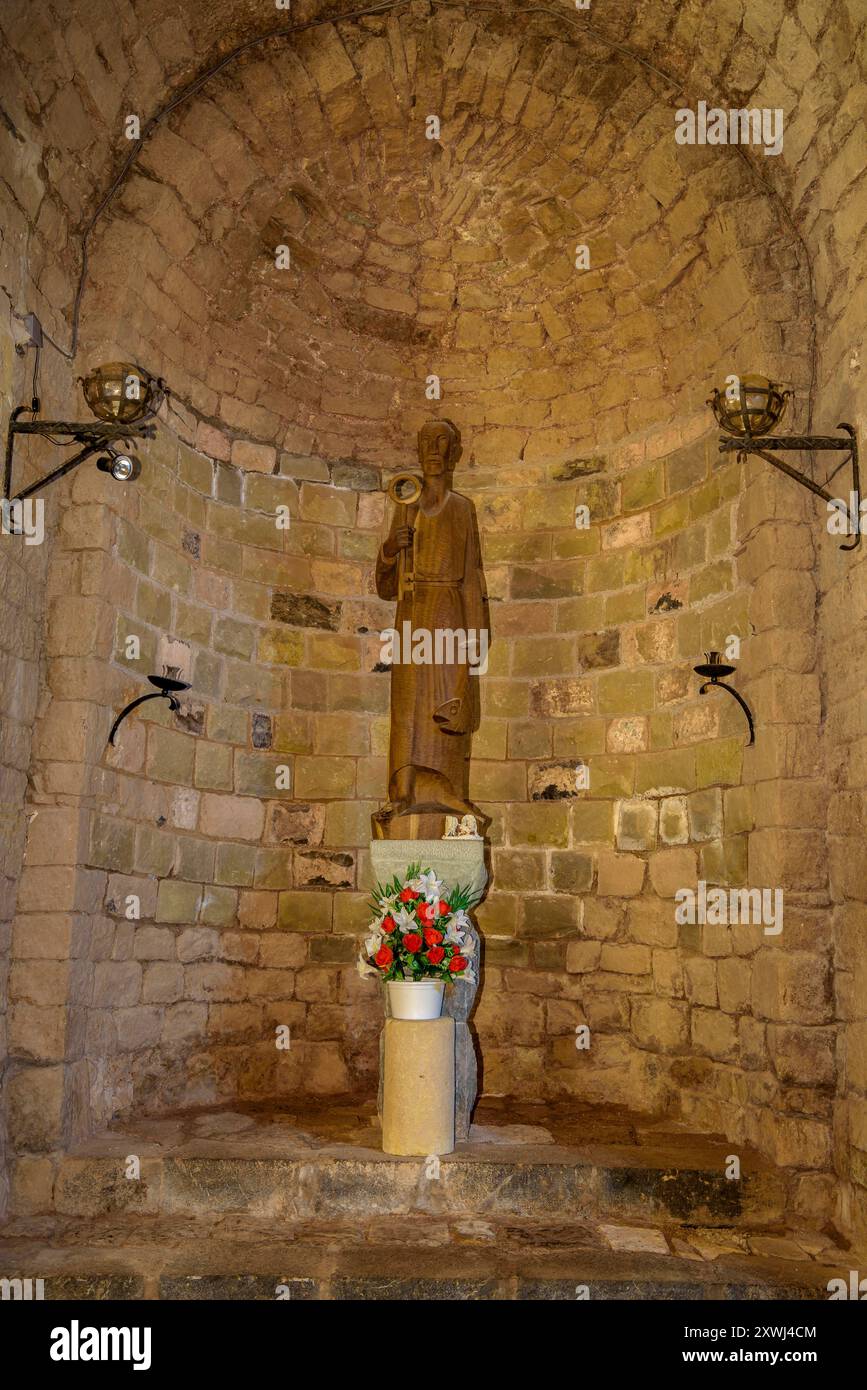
[435, 708]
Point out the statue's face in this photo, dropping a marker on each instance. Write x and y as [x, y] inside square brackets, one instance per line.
[435, 445]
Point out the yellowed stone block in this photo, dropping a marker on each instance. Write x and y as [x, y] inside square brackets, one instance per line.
[418, 1101]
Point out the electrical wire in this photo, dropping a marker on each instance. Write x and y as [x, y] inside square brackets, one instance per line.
[34, 385]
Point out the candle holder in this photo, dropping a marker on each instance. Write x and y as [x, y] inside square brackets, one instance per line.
[714, 668]
[167, 686]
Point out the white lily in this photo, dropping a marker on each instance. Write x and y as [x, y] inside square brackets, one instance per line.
[364, 968]
[404, 920]
[373, 942]
[460, 919]
[429, 885]
[454, 936]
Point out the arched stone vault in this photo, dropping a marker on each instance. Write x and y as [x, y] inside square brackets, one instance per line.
[454, 257]
[804, 62]
[764, 57]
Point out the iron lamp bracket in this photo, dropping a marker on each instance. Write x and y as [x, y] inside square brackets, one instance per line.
[94, 436]
[809, 443]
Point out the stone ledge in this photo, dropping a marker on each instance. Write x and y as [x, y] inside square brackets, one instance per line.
[423, 1257]
[327, 1164]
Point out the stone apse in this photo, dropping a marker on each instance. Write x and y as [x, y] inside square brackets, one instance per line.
[304, 267]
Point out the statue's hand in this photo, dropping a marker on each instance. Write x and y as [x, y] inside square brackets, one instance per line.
[401, 539]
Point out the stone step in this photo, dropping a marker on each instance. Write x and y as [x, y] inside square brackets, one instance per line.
[153, 1257]
[290, 1167]
[326, 1186]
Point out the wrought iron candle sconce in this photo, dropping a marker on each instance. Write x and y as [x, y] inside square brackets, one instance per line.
[714, 668]
[167, 687]
[752, 406]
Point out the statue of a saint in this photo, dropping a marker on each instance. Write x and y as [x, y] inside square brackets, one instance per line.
[431, 563]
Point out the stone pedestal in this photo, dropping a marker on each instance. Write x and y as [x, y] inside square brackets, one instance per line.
[455, 862]
[418, 1087]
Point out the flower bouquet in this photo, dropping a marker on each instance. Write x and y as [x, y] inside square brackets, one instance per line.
[418, 936]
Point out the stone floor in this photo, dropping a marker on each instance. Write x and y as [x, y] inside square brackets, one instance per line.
[542, 1203]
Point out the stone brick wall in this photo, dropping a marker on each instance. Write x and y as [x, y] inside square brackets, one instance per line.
[412, 258]
[580, 925]
[22, 579]
[839, 208]
[251, 895]
[23, 566]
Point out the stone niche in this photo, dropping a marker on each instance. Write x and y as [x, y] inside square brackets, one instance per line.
[204, 884]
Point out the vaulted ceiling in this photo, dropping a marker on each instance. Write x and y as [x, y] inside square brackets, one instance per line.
[411, 258]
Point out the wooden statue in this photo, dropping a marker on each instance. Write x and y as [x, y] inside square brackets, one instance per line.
[431, 563]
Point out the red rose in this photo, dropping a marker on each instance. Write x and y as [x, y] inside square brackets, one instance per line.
[424, 913]
[408, 896]
[412, 942]
[432, 936]
[443, 907]
[384, 957]
[388, 924]
[435, 954]
[458, 963]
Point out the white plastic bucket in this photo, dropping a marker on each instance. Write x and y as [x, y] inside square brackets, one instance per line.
[416, 998]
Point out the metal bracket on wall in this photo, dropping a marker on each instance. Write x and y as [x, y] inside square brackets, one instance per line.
[94, 435]
[715, 669]
[166, 689]
[809, 443]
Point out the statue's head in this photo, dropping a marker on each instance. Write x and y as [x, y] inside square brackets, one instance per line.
[439, 447]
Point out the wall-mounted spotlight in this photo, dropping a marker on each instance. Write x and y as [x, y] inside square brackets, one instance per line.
[122, 467]
[122, 396]
[750, 406]
[714, 668]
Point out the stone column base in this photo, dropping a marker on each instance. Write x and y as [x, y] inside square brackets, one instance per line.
[466, 1078]
[456, 862]
[418, 1091]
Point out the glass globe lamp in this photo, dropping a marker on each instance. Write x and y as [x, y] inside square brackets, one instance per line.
[749, 405]
[121, 392]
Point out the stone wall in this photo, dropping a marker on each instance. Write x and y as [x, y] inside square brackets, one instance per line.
[251, 894]
[412, 259]
[340, 293]
[23, 565]
[836, 213]
[22, 577]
